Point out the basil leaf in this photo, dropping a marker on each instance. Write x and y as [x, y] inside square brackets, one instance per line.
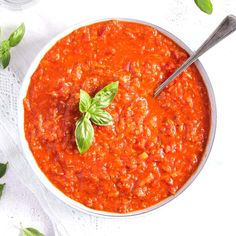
[205, 5]
[1, 189]
[105, 96]
[85, 101]
[84, 134]
[101, 117]
[5, 53]
[17, 35]
[31, 232]
[6, 56]
[3, 168]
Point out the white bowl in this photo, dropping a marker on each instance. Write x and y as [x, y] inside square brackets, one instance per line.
[42, 177]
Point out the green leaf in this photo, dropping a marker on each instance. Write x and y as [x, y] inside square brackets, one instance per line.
[105, 96]
[1, 189]
[101, 117]
[17, 35]
[31, 232]
[3, 168]
[5, 59]
[5, 53]
[85, 101]
[84, 134]
[205, 5]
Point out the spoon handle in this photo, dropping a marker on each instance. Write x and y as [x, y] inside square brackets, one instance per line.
[226, 27]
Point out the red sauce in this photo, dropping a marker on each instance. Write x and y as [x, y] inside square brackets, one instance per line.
[155, 144]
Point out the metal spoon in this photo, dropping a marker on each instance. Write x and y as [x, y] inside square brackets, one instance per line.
[226, 27]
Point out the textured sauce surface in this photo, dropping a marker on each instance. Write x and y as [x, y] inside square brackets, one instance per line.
[155, 144]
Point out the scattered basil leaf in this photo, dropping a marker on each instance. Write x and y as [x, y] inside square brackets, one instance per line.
[105, 96]
[17, 35]
[84, 133]
[12, 41]
[5, 58]
[205, 6]
[5, 46]
[1, 189]
[31, 232]
[3, 168]
[85, 101]
[101, 117]
[5, 53]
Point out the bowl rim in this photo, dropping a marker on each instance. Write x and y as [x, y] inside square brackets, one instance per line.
[43, 178]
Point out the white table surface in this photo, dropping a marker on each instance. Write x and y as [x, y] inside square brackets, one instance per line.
[208, 206]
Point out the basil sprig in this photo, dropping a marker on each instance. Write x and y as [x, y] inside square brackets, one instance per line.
[205, 6]
[91, 109]
[12, 41]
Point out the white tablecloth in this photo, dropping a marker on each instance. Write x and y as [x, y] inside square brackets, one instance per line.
[208, 206]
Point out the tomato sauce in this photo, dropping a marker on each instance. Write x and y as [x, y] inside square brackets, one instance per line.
[154, 145]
